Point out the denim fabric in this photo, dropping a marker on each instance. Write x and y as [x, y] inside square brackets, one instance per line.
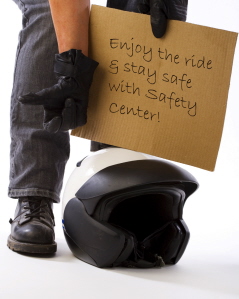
[37, 157]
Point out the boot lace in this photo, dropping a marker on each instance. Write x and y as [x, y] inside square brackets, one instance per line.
[36, 209]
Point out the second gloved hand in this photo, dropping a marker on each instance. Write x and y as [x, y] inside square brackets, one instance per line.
[161, 10]
[65, 103]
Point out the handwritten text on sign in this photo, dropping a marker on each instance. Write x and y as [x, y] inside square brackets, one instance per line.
[165, 97]
[153, 77]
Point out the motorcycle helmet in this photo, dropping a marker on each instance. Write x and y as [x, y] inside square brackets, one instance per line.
[124, 208]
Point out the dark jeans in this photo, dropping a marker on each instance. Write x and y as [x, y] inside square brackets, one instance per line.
[38, 157]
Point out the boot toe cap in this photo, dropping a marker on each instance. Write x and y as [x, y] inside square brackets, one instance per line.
[35, 233]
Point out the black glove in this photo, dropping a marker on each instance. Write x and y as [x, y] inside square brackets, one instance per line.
[161, 10]
[65, 103]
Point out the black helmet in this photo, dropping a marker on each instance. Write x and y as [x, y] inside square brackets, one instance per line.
[124, 208]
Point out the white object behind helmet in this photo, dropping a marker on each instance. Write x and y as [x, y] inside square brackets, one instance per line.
[94, 163]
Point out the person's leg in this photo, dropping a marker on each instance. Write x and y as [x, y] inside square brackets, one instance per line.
[37, 157]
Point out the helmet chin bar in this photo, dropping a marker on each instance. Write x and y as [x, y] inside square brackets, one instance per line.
[94, 242]
[128, 212]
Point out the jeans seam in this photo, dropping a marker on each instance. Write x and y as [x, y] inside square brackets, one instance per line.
[24, 9]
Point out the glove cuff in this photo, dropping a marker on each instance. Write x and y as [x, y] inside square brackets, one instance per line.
[73, 63]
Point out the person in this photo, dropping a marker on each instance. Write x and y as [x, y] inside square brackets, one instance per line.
[49, 97]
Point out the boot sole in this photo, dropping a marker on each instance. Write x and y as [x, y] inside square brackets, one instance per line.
[31, 248]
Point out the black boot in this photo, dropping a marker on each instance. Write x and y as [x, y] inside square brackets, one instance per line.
[32, 229]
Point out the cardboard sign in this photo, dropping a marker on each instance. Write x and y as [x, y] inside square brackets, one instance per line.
[165, 97]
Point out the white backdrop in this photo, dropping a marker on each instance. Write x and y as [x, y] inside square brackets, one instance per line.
[210, 265]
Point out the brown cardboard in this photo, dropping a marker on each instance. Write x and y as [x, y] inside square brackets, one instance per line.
[171, 92]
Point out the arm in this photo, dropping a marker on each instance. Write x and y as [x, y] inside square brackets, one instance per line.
[71, 20]
[65, 103]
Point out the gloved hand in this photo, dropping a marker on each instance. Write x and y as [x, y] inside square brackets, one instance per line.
[65, 103]
[161, 10]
